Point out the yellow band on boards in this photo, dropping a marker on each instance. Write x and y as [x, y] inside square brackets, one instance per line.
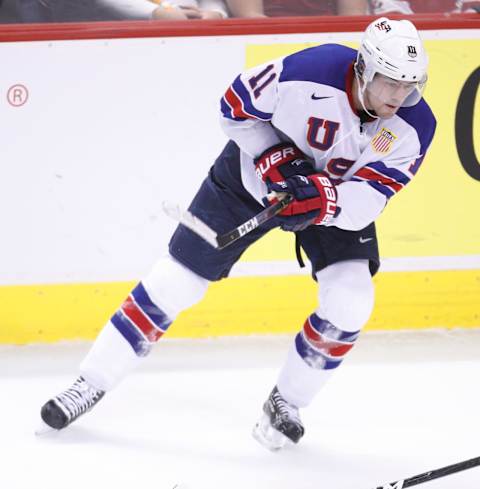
[240, 306]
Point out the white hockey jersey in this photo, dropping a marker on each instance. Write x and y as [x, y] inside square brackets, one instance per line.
[306, 98]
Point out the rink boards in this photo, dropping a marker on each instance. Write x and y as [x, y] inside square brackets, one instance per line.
[242, 305]
[89, 159]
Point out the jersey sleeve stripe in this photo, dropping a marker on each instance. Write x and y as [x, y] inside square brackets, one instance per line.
[377, 186]
[393, 173]
[236, 104]
[383, 189]
[370, 175]
[227, 111]
[386, 180]
[240, 91]
[416, 165]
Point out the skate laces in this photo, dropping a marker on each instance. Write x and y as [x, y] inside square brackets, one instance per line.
[79, 398]
[285, 410]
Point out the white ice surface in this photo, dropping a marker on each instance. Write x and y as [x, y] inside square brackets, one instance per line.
[401, 404]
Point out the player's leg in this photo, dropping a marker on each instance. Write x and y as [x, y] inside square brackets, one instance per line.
[127, 338]
[346, 296]
[176, 282]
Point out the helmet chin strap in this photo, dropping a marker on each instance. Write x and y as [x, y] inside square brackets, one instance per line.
[361, 97]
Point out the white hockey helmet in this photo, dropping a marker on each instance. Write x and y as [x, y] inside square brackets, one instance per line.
[393, 48]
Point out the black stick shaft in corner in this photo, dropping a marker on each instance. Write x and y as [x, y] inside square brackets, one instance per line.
[433, 474]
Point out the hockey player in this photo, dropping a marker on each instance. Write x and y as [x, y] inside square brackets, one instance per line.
[342, 132]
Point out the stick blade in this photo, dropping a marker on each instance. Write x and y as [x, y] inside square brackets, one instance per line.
[195, 224]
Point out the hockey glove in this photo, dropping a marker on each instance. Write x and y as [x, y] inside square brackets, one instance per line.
[280, 162]
[315, 201]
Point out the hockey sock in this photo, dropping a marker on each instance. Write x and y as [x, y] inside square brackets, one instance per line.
[318, 350]
[346, 299]
[141, 321]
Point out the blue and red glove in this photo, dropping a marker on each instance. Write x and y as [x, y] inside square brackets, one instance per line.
[315, 201]
[280, 162]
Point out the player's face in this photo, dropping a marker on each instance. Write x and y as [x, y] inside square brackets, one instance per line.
[385, 95]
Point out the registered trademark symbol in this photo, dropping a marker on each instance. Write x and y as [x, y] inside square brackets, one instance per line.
[17, 95]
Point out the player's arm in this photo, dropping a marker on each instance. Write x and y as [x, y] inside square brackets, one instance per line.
[368, 188]
[351, 205]
[363, 198]
[247, 108]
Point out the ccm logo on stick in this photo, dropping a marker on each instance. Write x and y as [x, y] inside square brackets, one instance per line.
[248, 226]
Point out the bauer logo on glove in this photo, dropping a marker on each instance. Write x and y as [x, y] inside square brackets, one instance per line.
[315, 201]
[280, 162]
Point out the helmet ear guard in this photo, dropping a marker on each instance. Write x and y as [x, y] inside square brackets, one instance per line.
[393, 48]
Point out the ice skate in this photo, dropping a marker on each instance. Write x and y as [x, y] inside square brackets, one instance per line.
[67, 406]
[280, 423]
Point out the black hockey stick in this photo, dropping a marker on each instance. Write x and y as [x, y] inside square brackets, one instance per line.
[221, 241]
[432, 474]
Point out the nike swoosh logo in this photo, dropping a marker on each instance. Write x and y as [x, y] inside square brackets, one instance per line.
[364, 240]
[314, 97]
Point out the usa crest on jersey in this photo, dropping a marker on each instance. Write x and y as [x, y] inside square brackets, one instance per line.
[383, 140]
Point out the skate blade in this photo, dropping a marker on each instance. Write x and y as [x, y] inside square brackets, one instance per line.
[268, 436]
[43, 429]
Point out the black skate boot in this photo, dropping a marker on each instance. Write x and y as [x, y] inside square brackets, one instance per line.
[65, 408]
[280, 423]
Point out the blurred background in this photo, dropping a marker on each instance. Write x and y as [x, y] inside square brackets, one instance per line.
[21, 11]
